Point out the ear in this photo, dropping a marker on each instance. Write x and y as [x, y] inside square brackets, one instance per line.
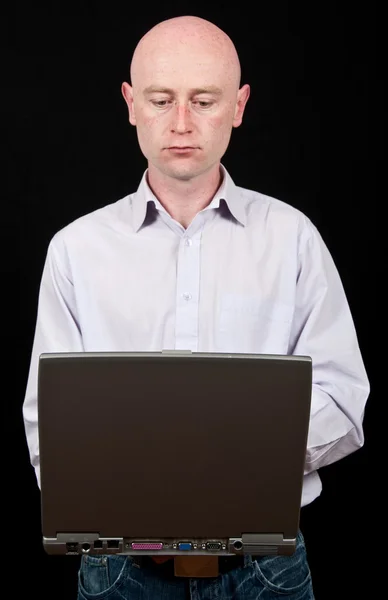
[242, 98]
[127, 92]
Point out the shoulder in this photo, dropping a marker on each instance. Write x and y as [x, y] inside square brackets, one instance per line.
[275, 213]
[91, 226]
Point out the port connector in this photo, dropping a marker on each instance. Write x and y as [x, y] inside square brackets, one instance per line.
[147, 546]
[98, 544]
[72, 547]
[85, 547]
[213, 546]
[113, 544]
[185, 546]
[238, 545]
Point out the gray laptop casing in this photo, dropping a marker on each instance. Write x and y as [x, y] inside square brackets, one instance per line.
[172, 452]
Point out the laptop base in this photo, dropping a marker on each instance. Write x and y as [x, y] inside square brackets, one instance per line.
[92, 543]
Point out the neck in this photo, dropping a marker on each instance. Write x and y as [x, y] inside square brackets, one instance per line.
[183, 199]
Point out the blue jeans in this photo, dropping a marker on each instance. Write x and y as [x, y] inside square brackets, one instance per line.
[118, 577]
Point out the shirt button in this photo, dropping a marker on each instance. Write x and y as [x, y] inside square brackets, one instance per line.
[187, 296]
[188, 242]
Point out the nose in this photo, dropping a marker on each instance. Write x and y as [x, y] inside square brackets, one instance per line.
[181, 122]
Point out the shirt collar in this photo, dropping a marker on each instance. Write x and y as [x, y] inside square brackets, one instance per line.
[227, 192]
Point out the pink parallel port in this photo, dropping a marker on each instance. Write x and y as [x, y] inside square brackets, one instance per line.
[147, 546]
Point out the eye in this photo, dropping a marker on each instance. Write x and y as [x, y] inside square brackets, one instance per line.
[160, 103]
[203, 103]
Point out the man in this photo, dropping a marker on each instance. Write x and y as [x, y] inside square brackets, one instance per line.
[192, 261]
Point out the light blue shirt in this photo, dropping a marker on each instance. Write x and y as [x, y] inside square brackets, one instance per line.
[250, 274]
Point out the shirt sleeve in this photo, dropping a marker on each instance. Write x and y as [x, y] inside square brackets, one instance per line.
[56, 330]
[323, 329]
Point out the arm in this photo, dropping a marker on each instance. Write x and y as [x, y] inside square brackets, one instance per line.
[323, 329]
[56, 330]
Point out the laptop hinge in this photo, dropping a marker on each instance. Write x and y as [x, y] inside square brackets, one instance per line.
[262, 544]
[176, 351]
[77, 537]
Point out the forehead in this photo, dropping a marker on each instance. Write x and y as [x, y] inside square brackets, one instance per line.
[183, 67]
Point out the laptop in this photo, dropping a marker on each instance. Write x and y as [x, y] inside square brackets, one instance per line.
[172, 452]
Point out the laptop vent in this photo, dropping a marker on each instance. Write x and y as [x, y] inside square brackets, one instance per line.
[259, 549]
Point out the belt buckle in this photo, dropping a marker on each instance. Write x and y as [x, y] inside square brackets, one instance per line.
[196, 566]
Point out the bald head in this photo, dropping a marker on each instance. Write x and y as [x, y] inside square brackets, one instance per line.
[184, 97]
[181, 37]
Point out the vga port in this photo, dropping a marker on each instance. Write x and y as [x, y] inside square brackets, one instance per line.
[213, 546]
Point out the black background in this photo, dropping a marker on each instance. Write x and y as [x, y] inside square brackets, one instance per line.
[310, 137]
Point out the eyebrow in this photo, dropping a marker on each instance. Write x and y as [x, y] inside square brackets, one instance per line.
[211, 89]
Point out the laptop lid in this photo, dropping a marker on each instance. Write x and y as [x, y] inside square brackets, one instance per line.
[172, 452]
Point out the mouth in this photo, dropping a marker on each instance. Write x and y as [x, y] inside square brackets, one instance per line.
[182, 149]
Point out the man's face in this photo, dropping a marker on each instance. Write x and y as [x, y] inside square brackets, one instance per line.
[184, 105]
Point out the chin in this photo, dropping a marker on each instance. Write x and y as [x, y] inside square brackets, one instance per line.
[181, 169]
[184, 176]
[182, 173]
